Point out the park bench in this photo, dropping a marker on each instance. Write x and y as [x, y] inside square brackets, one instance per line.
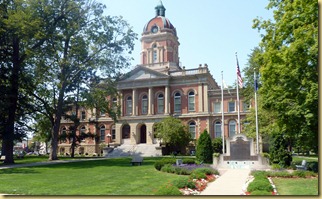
[137, 160]
[3, 157]
[303, 166]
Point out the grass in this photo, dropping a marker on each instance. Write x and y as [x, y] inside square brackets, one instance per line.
[296, 186]
[96, 177]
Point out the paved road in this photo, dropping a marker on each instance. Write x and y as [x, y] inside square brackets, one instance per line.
[230, 182]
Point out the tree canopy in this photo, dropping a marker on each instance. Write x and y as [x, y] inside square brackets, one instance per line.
[287, 62]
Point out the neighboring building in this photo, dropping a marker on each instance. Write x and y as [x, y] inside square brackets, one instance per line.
[157, 88]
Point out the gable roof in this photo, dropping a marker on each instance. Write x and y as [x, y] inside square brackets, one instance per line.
[142, 73]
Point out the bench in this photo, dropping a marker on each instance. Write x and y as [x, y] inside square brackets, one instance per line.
[3, 157]
[303, 166]
[137, 160]
[179, 162]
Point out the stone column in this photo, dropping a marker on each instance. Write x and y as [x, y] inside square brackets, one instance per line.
[205, 97]
[200, 96]
[150, 101]
[134, 134]
[149, 133]
[166, 100]
[118, 132]
[134, 102]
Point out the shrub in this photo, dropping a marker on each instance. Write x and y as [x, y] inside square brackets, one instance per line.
[168, 189]
[198, 175]
[189, 161]
[204, 148]
[261, 184]
[182, 171]
[313, 166]
[207, 171]
[301, 174]
[276, 166]
[260, 193]
[160, 163]
[259, 174]
[217, 145]
[283, 174]
[168, 168]
[184, 182]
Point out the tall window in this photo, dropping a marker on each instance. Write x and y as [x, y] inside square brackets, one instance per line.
[129, 105]
[191, 101]
[218, 129]
[82, 131]
[114, 105]
[160, 103]
[231, 107]
[144, 104]
[102, 133]
[63, 132]
[83, 115]
[177, 102]
[232, 128]
[192, 129]
[155, 56]
[217, 107]
[113, 132]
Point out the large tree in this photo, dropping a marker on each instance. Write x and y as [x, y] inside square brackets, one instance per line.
[289, 69]
[83, 42]
[172, 132]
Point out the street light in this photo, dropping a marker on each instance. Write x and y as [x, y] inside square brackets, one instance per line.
[108, 139]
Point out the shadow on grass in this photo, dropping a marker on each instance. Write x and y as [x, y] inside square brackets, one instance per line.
[25, 170]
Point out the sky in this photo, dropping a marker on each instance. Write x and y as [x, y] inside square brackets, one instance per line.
[209, 31]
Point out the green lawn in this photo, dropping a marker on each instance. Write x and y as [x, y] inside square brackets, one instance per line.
[98, 177]
[296, 186]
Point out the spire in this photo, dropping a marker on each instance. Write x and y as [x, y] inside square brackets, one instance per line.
[160, 9]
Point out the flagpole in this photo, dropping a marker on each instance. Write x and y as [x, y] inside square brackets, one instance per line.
[238, 82]
[257, 136]
[222, 114]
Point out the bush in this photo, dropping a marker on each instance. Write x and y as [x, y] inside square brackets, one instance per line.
[160, 163]
[184, 182]
[261, 184]
[259, 174]
[217, 145]
[207, 171]
[276, 166]
[168, 168]
[260, 193]
[182, 171]
[168, 189]
[204, 148]
[197, 175]
[313, 166]
[189, 161]
[301, 174]
[282, 174]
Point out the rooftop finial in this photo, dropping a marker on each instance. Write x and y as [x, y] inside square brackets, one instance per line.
[160, 9]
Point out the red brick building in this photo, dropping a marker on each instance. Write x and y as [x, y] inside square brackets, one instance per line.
[157, 88]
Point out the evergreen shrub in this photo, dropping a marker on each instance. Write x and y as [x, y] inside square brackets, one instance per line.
[204, 148]
[261, 184]
[184, 182]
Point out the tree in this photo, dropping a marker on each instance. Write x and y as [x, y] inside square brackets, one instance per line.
[172, 132]
[287, 62]
[278, 152]
[83, 42]
[217, 145]
[204, 148]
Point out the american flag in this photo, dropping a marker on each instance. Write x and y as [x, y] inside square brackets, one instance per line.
[240, 80]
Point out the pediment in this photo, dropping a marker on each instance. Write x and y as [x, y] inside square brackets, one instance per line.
[142, 73]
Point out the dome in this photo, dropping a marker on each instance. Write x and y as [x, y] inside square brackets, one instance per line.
[159, 22]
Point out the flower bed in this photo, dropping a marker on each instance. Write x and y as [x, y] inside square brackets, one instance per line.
[200, 184]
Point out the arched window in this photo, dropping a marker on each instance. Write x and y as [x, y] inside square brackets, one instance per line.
[232, 128]
[192, 129]
[82, 131]
[160, 103]
[177, 102]
[144, 104]
[155, 53]
[102, 133]
[129, 105]
[191, 101]
[218, 133]
[83, 115]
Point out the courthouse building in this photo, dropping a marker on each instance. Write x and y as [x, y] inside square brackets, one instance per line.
[157, 88]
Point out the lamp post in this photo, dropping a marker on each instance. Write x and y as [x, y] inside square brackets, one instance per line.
[108, 139]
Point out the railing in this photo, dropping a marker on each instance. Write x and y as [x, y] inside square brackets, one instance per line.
[190, 71]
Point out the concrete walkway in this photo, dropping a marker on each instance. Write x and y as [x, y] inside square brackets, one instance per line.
[230, 182]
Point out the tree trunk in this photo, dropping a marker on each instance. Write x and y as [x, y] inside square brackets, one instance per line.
[55, 129]
[12, 102]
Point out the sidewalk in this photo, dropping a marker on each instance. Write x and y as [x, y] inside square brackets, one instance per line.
[230, 182]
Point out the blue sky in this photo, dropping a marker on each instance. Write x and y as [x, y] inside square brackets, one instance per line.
[209, 31]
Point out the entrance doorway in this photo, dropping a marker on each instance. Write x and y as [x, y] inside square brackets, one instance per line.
[143, 134]
[126, 131]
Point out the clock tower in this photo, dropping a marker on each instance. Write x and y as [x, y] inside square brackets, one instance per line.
[159, 43]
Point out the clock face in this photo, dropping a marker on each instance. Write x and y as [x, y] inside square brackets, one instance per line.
[154, 29]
